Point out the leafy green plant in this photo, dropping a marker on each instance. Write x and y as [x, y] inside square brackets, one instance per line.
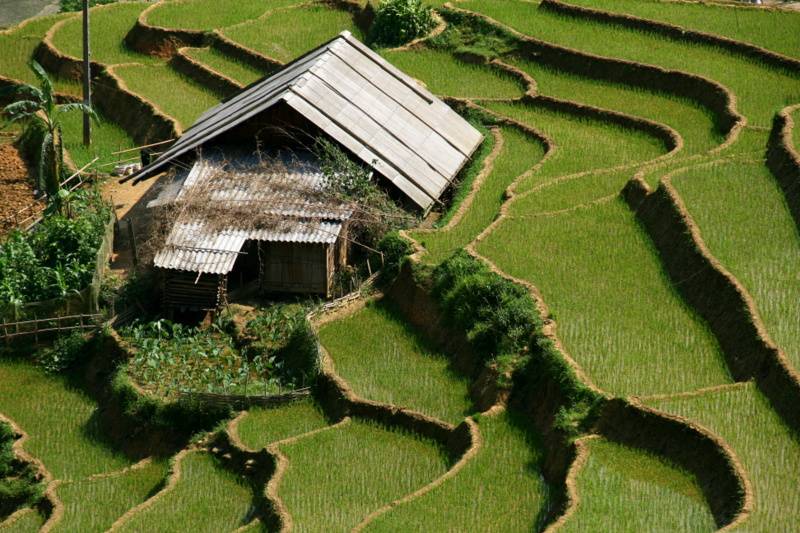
[394, 249]
[64, 353]
[19, 484]
[498, 315]
[59, 257]
[399, 21]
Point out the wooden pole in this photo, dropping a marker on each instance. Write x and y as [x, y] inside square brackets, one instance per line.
[87, 89]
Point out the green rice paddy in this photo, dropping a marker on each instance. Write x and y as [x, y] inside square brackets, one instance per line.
[398, 366]
[240, 72]
[354, 469]
[499, 490]
[205, 15]
[263, 426]
[626, 490]
[770, 28]
[206, 498]
[278, 35]
[768, 450]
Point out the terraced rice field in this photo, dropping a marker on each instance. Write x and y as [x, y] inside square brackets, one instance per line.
[355, 469]
[263, 426]
[625, 490]
[202, 486]
[770, 28]
[511, 496]
[236, 70]
[398, 366]
[566, 231]
[276, 35]
[768, 450]
[764, 247]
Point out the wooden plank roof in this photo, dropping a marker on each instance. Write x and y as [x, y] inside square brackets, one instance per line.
[381, 115]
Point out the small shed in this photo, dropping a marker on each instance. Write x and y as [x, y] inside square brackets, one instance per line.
[344, 92]
[240, 219]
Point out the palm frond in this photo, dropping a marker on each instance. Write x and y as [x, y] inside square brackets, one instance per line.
[79, 106]
[21, 110]
[44, 82]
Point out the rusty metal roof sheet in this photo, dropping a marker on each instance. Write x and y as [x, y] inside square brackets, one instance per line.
[356, 97]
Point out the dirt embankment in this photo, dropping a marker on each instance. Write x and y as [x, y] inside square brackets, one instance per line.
[783, 158]
[16, 189]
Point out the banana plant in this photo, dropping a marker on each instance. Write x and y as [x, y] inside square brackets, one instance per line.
[37, 108]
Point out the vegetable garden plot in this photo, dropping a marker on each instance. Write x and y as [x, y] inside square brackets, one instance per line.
[500, 489]
[336, 478]
[623, 489]
[171, 92]
[278, 35]
[519, 153]
[617, 314]
[768, 450]
[240, 72]
[774, 29]
[263, 426]
[745, 77]
[205, 498]
[445, 75]
[744, 220]
[385, 360]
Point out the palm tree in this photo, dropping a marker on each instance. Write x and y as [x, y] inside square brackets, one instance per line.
[36, 106]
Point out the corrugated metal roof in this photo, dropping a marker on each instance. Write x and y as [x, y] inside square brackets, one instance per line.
[359, 99]
[289, 194]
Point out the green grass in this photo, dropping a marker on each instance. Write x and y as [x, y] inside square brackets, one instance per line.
[107, 137]
[765, 446]
[692, 121]
[518, 154]
[445, 75]
[746, 78]
[60, 420]
[582, 145]
[617, 313]
[174, 94]
[282, 36]
[93, 505]
[336, 478]
[18, 45]
[500, 489]
[771, 28]
[796, 130]
[240, 72]
[746, 224]
[206, 498]
[29, 523]
[208, 15]
[385, 360]
[626, 490]
[263, 426]
[109, 27]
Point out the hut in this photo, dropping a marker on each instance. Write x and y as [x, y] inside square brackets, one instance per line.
[342, 91]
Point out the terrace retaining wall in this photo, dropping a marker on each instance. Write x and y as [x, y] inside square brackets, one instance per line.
[216, 82]
[717, 296]
[783, 159]
[718, 472]
[674, 31]
[157, 41]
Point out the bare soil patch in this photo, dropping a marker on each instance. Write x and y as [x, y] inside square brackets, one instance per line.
[16, 189]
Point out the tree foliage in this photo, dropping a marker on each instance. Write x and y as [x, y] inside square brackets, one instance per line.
[399, 21]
